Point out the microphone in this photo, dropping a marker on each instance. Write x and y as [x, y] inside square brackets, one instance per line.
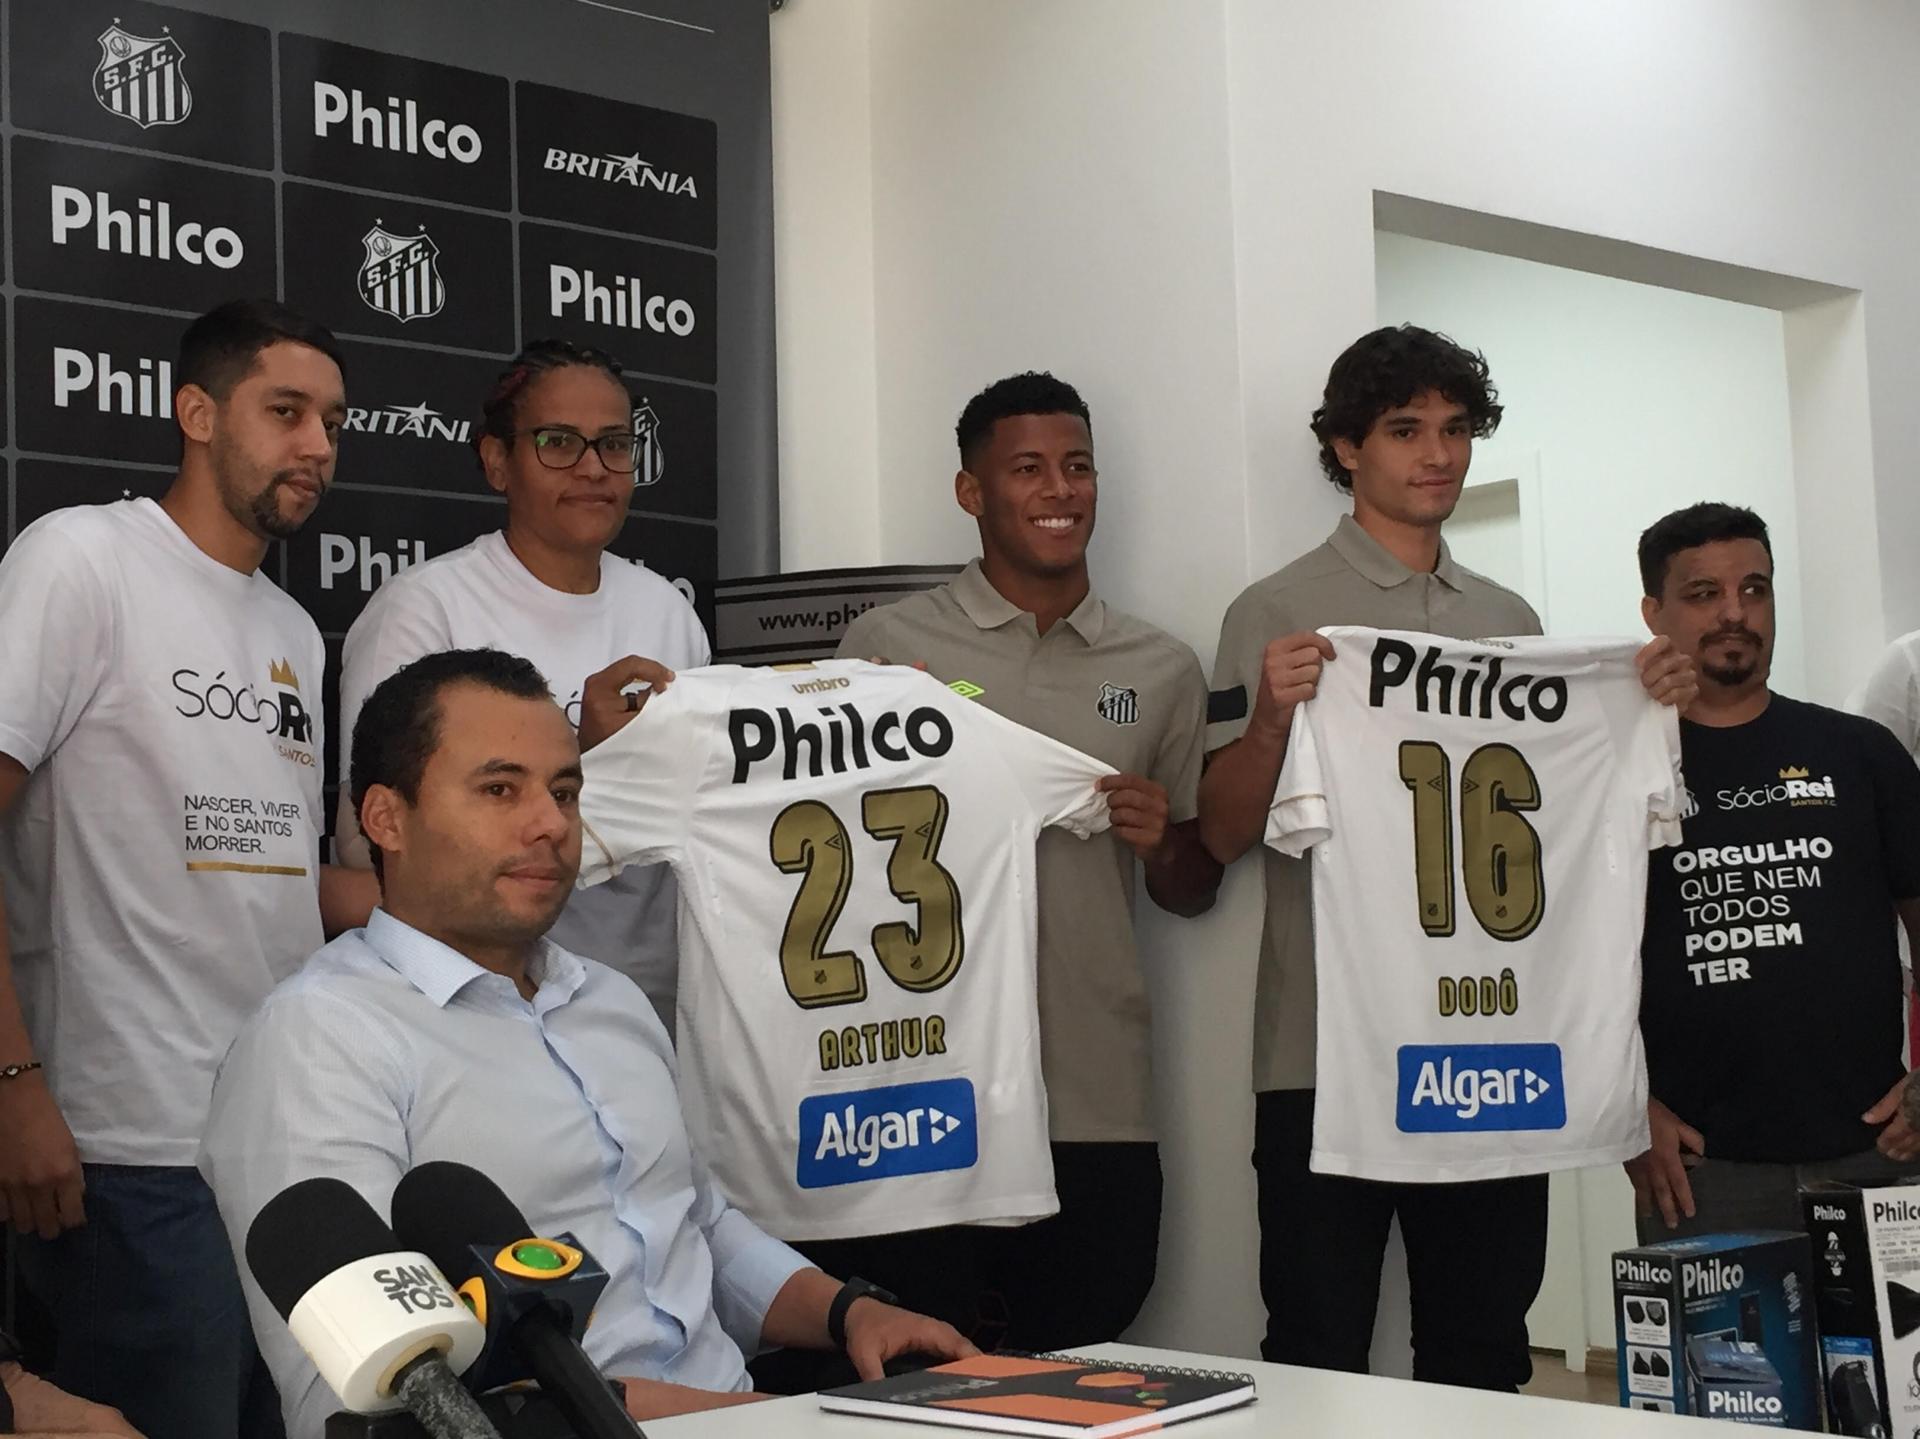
[380, 1323]
[534, 1295]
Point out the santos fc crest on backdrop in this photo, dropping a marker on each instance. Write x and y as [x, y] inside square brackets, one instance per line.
[140, 79]
[650, 461]
[399, 276]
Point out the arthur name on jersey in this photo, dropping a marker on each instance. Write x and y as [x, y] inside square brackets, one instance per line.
[1474, 688]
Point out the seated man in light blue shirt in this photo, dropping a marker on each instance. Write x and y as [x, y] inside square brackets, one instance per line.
[450, 1028]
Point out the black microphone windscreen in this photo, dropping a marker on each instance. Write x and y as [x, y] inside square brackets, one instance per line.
[307, 1231]
[441, 1207]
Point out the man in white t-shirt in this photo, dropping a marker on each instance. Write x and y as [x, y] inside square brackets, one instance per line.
[160, 728]
[557, 439]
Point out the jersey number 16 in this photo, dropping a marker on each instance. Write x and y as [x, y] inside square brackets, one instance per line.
[1500, 851]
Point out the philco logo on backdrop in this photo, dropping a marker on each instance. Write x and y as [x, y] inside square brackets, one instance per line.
[618, 300]
[651, 460]
[421, 422]
[141, 228]
[397, 126]
[399, 276]
[622, 170]
[140, 78]
[407, 126]
[140, 387]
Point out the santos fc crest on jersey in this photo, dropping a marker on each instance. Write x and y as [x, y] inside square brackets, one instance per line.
[140, 79]
[400, 276]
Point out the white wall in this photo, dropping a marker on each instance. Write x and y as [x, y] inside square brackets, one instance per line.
[1171, 202]
[823, 284]
[1637, 400]
[1741, 131]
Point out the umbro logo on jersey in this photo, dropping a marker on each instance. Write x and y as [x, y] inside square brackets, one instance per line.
[1119, 704]
[1451, 1088]
[966, 689]
[883, 1133]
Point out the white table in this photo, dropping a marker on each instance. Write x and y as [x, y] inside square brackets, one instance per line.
[1293, 1404]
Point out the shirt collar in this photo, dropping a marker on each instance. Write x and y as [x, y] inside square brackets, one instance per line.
[1368, 556]
[441, 972]
[989, 609]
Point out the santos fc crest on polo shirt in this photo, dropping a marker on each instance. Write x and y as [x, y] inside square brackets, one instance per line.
[1119, 704]
[140, 79]
[400, 276]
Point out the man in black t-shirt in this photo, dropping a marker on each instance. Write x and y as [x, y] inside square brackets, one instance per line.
[1771, 994]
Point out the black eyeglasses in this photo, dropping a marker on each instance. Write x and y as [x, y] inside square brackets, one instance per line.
[561, 449]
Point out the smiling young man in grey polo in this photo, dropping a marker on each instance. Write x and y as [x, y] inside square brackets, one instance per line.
[1396, 428]
[1022, 632]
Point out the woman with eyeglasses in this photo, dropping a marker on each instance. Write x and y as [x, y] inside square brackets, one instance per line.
[557, 439]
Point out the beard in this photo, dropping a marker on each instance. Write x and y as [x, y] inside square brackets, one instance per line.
[259, 511]
[1732, 673]
[263, 510]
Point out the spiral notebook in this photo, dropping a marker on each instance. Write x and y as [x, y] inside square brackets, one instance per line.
[1046, 1394]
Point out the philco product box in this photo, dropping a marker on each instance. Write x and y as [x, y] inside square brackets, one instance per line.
[1720, 1326]
[1866, 1269]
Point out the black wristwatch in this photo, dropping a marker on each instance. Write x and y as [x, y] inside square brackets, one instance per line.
[843, 1301]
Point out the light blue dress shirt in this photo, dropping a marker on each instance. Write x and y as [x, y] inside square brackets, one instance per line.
[389, 1049]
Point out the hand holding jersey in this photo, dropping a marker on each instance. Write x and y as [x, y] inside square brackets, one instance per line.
[610, 697]
[1503, 1039]
[1290, 676]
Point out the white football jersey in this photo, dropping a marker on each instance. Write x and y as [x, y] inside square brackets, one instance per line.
[1479, 814]
[858, 1029]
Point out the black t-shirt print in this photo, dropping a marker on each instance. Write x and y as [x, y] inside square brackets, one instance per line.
[1771, 994]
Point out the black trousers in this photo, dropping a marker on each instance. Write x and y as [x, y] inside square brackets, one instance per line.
[1476, 1254]
[1079, 1277]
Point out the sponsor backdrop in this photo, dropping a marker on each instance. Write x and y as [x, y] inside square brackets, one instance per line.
[438, 182]
[785, 619]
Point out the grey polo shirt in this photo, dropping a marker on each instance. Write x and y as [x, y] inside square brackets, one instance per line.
[1118, 689]
[1349, 580]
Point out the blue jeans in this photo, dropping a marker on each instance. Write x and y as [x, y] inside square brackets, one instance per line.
[147, 1309]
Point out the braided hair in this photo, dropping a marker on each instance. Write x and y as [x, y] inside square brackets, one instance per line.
[500, 415]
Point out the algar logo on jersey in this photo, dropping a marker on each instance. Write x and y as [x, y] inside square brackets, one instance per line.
[883, 1133]
[139, 78]
[1467, 1088]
